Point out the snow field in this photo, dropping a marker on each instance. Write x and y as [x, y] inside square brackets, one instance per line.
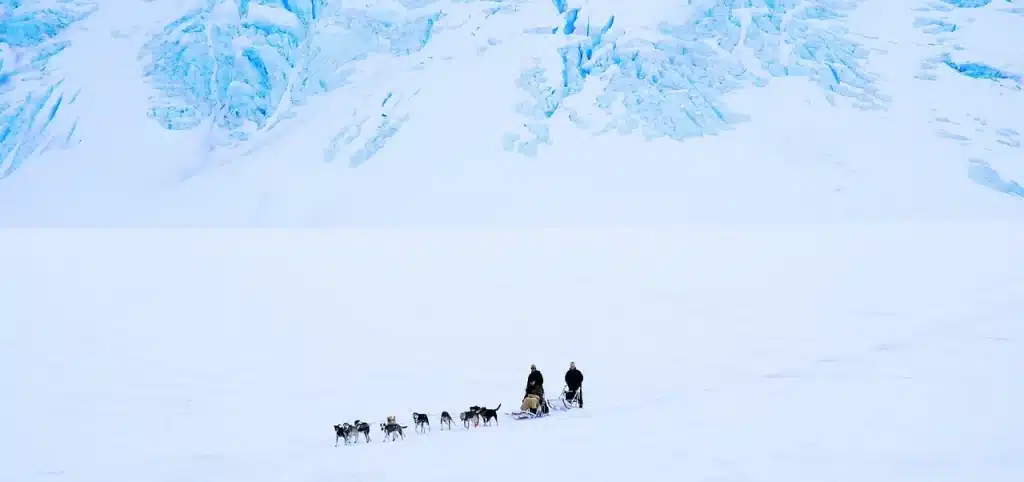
[711, 352]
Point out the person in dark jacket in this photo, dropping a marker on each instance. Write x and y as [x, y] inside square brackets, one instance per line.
[574, 381]
[535, 388]
[535, 382]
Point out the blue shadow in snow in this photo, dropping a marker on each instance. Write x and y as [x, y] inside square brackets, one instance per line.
[1008, 137]
[933, 26]
[982, 173]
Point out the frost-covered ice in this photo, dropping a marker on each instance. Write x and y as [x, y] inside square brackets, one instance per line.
[801, 352]
[270, 112]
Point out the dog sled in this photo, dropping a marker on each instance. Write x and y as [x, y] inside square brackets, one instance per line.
[567, 400]
[571, 398]
[534, 406]
[543, 411]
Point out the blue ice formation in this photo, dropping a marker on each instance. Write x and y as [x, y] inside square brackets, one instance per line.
[979, 70]
[238, 71]
[673, 87]
[945, 36]
[968, 3]
[33, 96]
[983, 174]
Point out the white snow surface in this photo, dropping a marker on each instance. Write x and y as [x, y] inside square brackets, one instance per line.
[874, 352]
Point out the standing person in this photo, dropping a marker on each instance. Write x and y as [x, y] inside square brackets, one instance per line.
[574, 381]
[536, 381]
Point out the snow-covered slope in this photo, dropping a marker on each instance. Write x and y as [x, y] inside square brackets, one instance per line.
[508, 112]
[844, 354]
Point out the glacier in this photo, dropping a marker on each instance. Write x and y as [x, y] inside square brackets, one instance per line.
[673, 87]
[218, 83]
[243, 67]
[218, 66]
[35, 95]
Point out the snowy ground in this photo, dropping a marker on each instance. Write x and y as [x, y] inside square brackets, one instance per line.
[712, 353]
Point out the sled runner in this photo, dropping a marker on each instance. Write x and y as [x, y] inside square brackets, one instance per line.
[544, 410]
[521, 415]
[570, 398]
[567, 400]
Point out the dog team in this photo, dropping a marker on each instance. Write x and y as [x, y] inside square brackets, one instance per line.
[350, 432]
